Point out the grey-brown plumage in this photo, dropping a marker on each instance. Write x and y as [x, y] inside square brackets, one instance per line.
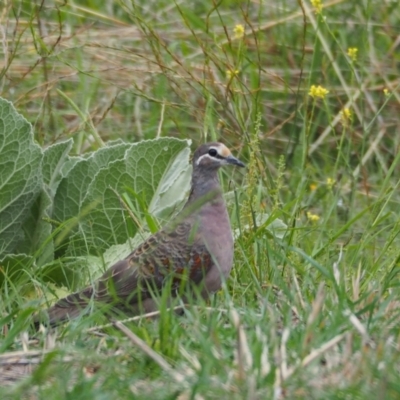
[195, 248]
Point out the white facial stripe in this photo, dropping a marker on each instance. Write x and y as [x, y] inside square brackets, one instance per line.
[222, 153]
[217, 149]
[208, 156]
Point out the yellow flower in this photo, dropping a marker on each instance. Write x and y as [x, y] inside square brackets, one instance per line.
[317, 4]
[352, 53]
[386, 92]
[238, 31]
[312, 217]
[221, 124]
[346, 115]
[318, 92]
[232, 73]
[313, 187]
[330, 182]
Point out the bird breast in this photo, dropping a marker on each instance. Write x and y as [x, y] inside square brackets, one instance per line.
[217, 236]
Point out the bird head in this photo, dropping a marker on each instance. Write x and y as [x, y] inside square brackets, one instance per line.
[212, 156]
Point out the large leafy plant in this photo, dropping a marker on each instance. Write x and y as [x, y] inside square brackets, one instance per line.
[60, 212]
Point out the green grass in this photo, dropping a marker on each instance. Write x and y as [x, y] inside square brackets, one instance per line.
[312, 315]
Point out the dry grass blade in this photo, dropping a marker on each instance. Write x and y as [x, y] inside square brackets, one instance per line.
[362, 330]
[243, 353]
[317, 304]
[320, 324]
[152, 314]
[17, 365]
[140, 344]
[314, 354]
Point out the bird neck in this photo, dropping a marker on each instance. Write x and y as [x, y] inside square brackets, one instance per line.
[205, 192]
[205, 184]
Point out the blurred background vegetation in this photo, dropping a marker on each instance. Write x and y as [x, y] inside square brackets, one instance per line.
[307, 92]
[97, 71]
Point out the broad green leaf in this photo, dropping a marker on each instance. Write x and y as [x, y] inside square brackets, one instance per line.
[20, 175]
[54, 159]
[174, 186]
[147, 162]
[91, 194]
[276, 227]
[105, 222]
[68, 165]
[142, 170]
[73, 187]
[171, 191]
[72, 272]
[37, 230]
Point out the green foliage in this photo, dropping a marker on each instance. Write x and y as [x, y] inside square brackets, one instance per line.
[55, 205]
[90, 195]
[21, 177]
[311, 309]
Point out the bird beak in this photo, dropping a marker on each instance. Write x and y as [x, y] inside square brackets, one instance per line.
[234, 161]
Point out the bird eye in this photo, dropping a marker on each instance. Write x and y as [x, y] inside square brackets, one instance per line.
[212, 152]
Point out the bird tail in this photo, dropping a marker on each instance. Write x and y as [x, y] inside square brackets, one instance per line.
[66, 309]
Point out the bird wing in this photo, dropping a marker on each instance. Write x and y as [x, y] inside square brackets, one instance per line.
[178, 254]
